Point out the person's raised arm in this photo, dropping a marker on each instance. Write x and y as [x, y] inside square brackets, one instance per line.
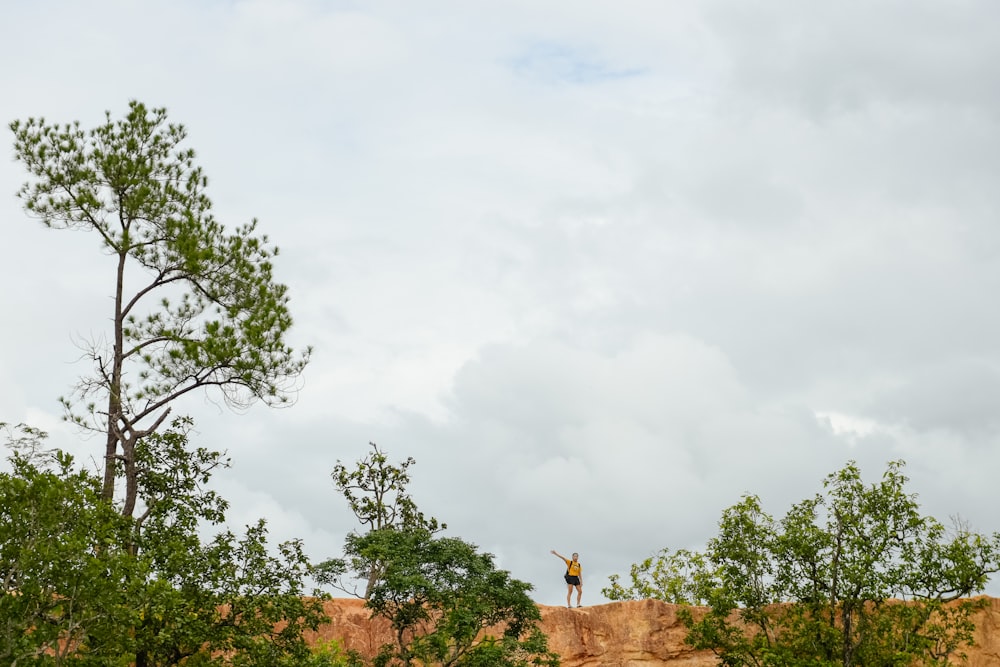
[559, 555]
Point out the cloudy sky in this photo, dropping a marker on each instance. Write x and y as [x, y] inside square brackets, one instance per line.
[600, 267]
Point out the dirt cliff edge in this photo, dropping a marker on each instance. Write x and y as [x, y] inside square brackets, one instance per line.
[641, 633]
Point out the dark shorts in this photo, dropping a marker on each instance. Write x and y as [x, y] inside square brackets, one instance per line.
[572, 580]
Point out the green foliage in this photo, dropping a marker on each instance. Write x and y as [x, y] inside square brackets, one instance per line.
[445, 600]
[852, 576]
[61, 568]
[676, 577]
[332, 654]
[194, 306]
[87, 586]
[375, 491]
[447, 603]
[228, 601]
[228, 596]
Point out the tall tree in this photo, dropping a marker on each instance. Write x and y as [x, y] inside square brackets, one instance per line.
[194, 306]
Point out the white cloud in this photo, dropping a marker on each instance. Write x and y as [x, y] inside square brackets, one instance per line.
[599, 268]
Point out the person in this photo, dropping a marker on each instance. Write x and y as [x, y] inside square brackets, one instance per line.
[573, 577]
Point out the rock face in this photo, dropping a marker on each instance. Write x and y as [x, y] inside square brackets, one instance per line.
[642, 633]
[625, 634]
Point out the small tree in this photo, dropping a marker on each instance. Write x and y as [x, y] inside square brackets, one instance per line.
[852, 576]
[375, 491]
[448, 604]
[445, 600]
[676, 577]
[194, 306]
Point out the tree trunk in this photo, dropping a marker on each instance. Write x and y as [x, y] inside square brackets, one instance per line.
[115, 390]
[131, 476]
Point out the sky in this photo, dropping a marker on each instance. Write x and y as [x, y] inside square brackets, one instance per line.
[601, 268]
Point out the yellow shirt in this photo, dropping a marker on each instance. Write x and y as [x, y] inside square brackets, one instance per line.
[573, 567]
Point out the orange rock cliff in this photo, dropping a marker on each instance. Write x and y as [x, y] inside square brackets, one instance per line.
[642, 633]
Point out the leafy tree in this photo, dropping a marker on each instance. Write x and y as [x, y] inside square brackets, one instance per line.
[445, 601]
[194, 306]
[852, 576]
[61, 570]
[375, 490]
[76, 596]
[227, 600]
